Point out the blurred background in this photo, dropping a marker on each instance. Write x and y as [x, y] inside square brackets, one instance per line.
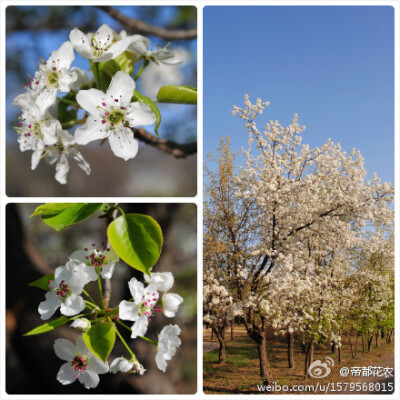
[33, 32]
[33, 250]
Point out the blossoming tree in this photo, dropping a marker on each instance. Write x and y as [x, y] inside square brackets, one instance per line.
[308, 206]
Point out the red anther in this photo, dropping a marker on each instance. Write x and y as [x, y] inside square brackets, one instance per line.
[108, 249]
[116, 100]
[112, 123]
[29, 126]
[102, 244]
[93, 245]
[37, 82]
[103, 121]
[103, 104]
[86, 249]
[19, 123]
[87, 258]
[122, 108]
[54, 68]
[107, 113]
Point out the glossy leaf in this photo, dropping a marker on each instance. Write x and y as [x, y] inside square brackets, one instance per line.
[177, 94]
[43, 282]
[100, 339]
[143, 99]
[62, 215]
[48, 326]
[137, 239]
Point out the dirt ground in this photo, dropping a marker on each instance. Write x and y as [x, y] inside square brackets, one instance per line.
[240, 373]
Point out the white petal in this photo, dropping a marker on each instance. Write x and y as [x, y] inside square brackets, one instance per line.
[82, 78]
[171, 303]
[137, 290]
[107, 270]
[140, 114]
[36, 156]
[81, 43]
[139, 45]
[82, 163]
[90, 100]
[62, 168]
[64, 349]
[67, 80]
[48, 307]
[78, 255]
[49, 131]
[163, 280]
[62, 58]
[121, 88]
[89, 379]
[92, 130]
[73, 305]
[104, 36]
[160, 361]
[123, 143]
[66, 374]
[139, 328]
[46, 98]
[128, 310]
[111, 256]
[120, 364]
[114, 50]
[98, 366]
[81, 347]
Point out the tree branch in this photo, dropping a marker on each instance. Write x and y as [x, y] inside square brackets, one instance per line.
[144, 28]
[178, 150]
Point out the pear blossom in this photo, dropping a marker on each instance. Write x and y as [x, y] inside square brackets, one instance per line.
[53, 75]
[140, 47]
[102, 46]
[81, 324]
[81, 363]
[168, 341]
[121, 364]
[112, 116]
[142, 307]
[58, 154]
[64, 291]
[163, 282]
[100, 258]
[36, 127]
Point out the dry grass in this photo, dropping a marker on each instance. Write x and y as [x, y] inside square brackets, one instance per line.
[240, 374]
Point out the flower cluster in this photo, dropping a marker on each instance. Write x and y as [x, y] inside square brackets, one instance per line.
[109, 113]
[66, 291]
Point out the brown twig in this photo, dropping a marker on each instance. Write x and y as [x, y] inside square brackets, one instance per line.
[144, 28]
[178, 150]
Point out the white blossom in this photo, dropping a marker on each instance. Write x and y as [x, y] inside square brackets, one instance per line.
[168, 341]
[121, 364]
[113, 115]
[81, 363]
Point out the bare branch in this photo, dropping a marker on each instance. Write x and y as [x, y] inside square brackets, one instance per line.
[178, 150]
[144, 28]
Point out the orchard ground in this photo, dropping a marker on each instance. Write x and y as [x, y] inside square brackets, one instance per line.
[241, 374]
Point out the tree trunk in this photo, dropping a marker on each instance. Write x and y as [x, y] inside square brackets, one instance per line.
[370, 342]
[363, 343]
[290, 343]
[222, 348]
[377, 339]
[232, 329]
[265, 372]
[382, 334]
[356, 346]
[309, 358]
[333, 348]
[351, 346]
[339, 352]
[212, 334]
[303, 347]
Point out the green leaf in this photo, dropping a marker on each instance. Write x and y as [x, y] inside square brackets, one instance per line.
[100, 339]
[48, 326]
[66, 111]
[143, 99]
[177, 94]
[137, 239]
[62, 215]
[43, 282]
[106, 70]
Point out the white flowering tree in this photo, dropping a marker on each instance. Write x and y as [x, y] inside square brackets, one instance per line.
[137, 240]
[307, 203]
[64, 108]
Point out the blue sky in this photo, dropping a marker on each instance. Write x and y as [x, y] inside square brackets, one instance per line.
[333, 65]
